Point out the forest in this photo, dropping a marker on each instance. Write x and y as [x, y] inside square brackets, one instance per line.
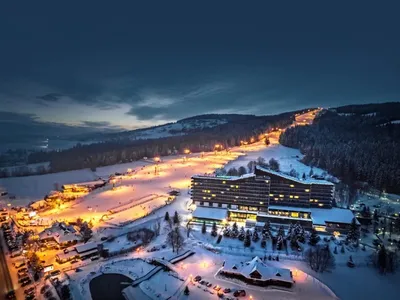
[238, 128]
[358, 144]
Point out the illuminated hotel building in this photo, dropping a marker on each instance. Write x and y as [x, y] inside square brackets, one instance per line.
[267, 195]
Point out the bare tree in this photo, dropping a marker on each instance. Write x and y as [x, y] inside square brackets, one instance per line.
[157, 227]
[320, 258]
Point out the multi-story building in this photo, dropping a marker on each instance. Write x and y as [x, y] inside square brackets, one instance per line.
[291, 191]
[267, 195]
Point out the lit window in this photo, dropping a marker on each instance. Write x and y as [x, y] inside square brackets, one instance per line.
[281, 196]
[271, 195]
[311, 200]
[224, 182]
[266, 181]
[213, 195]
[315, 200]
[290, 196]
[295, 214]
[276, 199]
[296, 197]
[261, 202]
[232, 186]
[236, 197]
[292, 185]
[307, 190]
[320, 204]
[196, 183]
[204, 197]
[222, 192]
[237, 186]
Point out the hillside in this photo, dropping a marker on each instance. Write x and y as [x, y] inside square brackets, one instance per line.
[198, 133]
[351, 143]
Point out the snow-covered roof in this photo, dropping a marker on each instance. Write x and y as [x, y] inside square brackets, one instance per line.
[295, 179]
[61, 232]
[256, 265]
[66, 256]
[210, 213]
[220, 177]
[85, 247]
[88, 183]
[289, 208]
[320, 216]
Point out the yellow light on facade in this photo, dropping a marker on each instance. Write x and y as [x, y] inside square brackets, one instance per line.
[292, 185]
[271, 195]
[186, 151]
[307, 190]
[281, 196]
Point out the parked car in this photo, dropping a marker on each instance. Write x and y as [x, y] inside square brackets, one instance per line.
[55, 273]
[22, 270]
[239, 293]
[203, 282]
[29, 291]
[48, 294]
[22, 275]
[30, 297]
[96, 257]
[73, 261]
[209, 284]
[217, 288]
[227, 290]
[27, 282]
[44, 288]
[197, 278]
[21, 280]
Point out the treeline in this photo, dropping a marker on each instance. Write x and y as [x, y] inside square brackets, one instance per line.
[113, 152]
[356, 148]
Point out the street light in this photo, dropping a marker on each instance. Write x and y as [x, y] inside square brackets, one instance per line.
[186, 151]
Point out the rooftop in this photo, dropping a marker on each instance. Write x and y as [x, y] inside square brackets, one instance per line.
[320, 216]
[257, 267]
[85, 247]
[211, 213]
[305, 181]
[220, 177]
[289, 208]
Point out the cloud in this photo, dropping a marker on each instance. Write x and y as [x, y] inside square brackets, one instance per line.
[96, 123]
[173, 104]
[51, 97]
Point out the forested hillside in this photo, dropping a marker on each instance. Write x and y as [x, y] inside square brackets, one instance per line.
[355, 143]
[237, 128]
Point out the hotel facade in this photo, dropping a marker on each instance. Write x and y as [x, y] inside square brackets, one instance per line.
[267, 195]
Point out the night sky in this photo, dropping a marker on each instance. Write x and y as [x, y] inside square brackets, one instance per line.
[111, 65]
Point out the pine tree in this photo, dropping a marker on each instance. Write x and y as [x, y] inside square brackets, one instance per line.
[342, 249]
[204, 228]
[235, 230]
[242, 234]
[186, 291]
[264, 241]
[177, 218]
[281, 232]
[227, 231]
[353, 235]
[214, 229]
[267, 229]
[335, 250]
[314, 237]
[304, 176]
[290, 230]
[255, 236]
[247, 239]
[311, 172]
[382, 258]
[166, 217]
[279, 242]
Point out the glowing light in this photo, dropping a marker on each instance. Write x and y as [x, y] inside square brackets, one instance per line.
[336, 234]
[186, 151]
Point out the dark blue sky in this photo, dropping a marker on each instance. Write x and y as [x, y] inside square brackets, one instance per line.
[115, 64]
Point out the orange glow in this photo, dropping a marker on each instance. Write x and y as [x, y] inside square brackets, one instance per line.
[186, 151]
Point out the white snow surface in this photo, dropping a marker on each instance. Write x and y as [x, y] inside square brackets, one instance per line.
[210, 213]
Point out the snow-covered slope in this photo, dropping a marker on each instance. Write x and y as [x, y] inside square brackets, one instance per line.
[178, 128]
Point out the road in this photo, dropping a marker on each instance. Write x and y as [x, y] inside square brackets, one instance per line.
[5, 282]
